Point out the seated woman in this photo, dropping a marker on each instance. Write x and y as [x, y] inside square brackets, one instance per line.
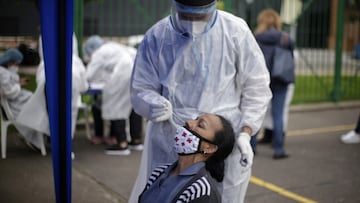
[38, 104]
[11, 89]
[202, 145]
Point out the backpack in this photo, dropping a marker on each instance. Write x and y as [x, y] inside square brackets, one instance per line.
[283, 69]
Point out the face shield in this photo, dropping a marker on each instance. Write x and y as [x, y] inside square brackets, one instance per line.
[192, 20]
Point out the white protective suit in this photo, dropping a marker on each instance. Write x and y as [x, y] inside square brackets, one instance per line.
[37, 104]
[222, 71]
[17, 98]
[111, 64]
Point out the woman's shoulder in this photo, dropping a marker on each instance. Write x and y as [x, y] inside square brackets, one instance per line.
[200, 189]
[271, 36]
[160, 170]
[156, 173]
[5, 73]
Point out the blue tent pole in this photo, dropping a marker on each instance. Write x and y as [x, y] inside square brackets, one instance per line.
[56, 31]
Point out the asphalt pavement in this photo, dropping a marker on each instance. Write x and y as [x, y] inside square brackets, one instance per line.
[320, 168]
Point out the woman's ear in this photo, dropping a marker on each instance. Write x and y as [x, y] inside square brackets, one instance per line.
[211, 148]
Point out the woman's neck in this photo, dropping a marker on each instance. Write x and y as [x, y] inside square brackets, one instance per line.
[185, 162]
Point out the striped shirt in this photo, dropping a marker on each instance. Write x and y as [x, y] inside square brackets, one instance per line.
[193, 184]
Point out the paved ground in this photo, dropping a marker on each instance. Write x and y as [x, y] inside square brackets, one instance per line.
[320, 168]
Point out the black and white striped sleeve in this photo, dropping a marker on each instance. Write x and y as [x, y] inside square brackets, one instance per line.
[155, 174]
[198, 191]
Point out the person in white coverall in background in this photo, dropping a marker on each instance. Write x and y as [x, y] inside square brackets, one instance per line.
[11, 90]
[200, 60]
[38, 102]
[111, 65]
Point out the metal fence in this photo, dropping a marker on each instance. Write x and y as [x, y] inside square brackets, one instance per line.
[326, 68]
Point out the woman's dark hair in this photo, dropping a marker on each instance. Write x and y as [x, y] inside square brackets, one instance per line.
[225, 139]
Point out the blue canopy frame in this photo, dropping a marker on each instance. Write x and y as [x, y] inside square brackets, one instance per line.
[56, 30]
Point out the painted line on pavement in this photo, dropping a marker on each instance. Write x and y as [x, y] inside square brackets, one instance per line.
[280, 190]
[311, 131]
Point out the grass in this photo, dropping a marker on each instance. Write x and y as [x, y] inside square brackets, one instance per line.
[315, 89]
[31, 85]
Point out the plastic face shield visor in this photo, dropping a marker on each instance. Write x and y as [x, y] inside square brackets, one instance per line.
[192, 20]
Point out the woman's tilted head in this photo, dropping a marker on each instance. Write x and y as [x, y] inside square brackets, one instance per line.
[209, 135]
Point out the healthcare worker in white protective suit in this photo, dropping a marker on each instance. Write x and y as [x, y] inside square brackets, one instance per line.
[200, 60]
[38, 102]
[11, 89]
[111, 65]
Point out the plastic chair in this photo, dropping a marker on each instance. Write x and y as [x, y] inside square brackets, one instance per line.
[7, 119]
[86, 112]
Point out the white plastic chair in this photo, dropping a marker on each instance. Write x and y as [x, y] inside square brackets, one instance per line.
[86, 112]
[7, 119]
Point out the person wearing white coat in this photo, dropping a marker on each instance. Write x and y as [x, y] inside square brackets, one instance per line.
[11, 89]
[37, 103]
[111, 65]
[200, 60]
